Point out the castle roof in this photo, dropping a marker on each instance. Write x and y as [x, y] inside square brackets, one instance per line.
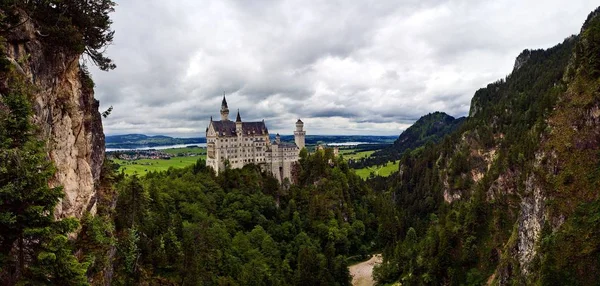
[227, 128]
[285, 145]
[238, 118]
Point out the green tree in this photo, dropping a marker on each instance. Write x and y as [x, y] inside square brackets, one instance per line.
[33, 245]
[76, 26]
[132, 203]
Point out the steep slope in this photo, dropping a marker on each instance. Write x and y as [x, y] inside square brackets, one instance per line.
[511, 197]
[64, 104]
[569, 171]
[430, 128]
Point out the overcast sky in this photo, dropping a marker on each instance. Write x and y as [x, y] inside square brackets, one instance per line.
[344, 67]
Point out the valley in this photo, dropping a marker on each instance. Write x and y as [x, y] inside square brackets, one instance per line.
[186, 156]
[501, 190]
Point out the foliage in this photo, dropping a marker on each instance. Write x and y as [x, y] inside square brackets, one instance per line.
[465, 241]
[34, 248]
[74, 26]
[189, 226]
[430, 128]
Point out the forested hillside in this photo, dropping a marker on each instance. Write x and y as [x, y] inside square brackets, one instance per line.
[511, 197]
[188, 226]
[507, 196]
[430, 128]
[140, 140]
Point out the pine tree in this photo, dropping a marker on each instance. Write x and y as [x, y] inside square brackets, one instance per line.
[33, 246]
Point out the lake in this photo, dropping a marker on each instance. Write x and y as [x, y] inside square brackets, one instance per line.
[348, 143]
[204, 146]
[157, 147]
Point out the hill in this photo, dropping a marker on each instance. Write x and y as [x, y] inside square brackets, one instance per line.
[141, 140]
[511, 196]
[130, 141]
[430, 128]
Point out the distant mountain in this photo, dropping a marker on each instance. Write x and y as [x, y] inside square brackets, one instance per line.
[141, 140]
[429, 128]
[432, 127]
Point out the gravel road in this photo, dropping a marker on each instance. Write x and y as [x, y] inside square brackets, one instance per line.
[362, 273]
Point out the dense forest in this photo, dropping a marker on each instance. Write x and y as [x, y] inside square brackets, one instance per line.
[510, 197]
[505, 196]
[189, 226]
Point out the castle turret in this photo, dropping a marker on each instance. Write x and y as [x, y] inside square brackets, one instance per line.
[238, 123]
[299, 134]
[277, 138]
[224, 110]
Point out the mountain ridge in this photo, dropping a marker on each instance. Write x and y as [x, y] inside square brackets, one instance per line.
[510, 196]
[429, 128]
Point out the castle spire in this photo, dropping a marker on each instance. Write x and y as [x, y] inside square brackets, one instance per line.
[224, 109]
[224, 102]
[238, 118]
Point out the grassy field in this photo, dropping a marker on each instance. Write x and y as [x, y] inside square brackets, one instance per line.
[383, 171]
[348, 154]
[143, 166]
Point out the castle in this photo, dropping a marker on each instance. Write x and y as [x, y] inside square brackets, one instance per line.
[240, 143]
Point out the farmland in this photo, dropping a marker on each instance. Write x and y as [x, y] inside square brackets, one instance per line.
[183, 157]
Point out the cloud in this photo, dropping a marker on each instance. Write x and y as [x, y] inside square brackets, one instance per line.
[344, 67]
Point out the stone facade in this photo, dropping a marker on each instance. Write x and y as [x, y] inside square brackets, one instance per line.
[239, 143]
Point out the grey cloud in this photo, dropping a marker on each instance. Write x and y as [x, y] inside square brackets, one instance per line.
[344, 67]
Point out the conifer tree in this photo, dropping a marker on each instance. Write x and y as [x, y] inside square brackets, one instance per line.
[34, 248]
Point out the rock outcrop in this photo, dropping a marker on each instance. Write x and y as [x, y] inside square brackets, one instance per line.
[67, 114]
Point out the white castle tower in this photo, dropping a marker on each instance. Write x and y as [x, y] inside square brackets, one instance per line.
[224, 110]
[299, 134]
[235, 144]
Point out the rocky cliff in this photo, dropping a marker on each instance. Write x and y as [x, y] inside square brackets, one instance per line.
[515, 189]
[66, 112]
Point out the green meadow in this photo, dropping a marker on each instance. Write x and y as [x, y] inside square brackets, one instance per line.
[383, 171]
[351, 154]
[143, 166]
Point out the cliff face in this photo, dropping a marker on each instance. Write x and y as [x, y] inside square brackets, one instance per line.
[544, 120]
[67, 114]
[516, 187]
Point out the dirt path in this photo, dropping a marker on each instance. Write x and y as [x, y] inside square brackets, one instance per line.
[362, 273]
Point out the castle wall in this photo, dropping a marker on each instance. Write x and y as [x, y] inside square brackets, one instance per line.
[236, 148]
[239, 151]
